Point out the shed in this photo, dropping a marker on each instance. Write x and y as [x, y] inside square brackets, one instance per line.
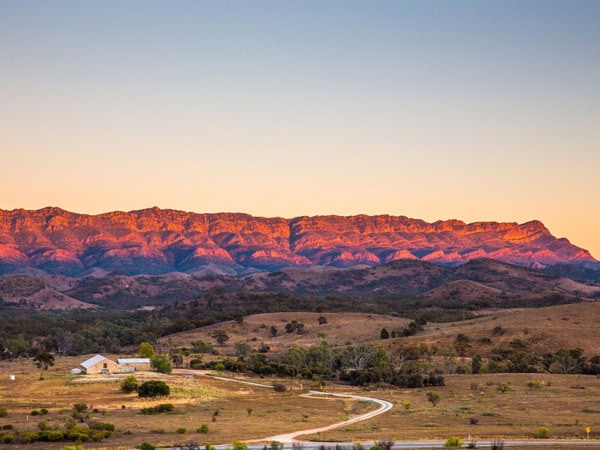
[133, 364]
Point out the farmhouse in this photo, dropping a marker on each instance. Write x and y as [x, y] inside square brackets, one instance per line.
[133, 364]
[99, 364]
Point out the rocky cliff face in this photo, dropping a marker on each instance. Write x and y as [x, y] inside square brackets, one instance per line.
[156, 241]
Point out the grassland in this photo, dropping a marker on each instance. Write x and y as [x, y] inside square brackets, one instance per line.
[517, 413]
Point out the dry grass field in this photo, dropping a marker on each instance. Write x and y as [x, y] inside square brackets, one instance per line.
[195, 400]
[340, 329]
[519, 412]
[545, 330]
[564, 404]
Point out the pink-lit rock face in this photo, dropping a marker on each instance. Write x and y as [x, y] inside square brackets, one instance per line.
[158, 241]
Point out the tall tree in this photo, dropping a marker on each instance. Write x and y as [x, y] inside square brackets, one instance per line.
[146, 350]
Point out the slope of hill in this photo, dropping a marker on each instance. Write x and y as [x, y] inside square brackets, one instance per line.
[478, 284]
[33, 292]
[544, 330]
[155, 241]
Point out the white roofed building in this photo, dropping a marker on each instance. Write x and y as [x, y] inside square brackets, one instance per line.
[133, 364]
[99, 364]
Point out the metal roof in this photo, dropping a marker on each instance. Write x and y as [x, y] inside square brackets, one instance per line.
[133, 361]
[93, 360]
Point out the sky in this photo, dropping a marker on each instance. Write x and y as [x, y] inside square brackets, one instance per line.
[473, 110]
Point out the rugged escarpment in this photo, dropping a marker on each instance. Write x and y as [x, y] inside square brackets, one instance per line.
[156, 241]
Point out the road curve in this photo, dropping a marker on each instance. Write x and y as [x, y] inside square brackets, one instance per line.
[384, 406]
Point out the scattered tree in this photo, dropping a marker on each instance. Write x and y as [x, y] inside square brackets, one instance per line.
[161, 364]
[433, 397]
[385, 334]
[43, 361]
[146, 350]
[221, 337]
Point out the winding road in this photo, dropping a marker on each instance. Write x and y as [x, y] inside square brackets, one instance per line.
[290, 438]
[384, 406]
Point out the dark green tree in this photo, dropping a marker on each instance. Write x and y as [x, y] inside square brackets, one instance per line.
[43, 361]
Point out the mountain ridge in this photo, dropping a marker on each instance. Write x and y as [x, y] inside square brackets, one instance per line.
[155, 241]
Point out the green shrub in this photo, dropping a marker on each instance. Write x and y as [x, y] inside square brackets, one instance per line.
[54, 436]
[153, 388]
[163, 407]
[279, 387]
[454, 442]
[103, 426]
[157, 430]
[147, 446]
[542, 433]
[80, 407]
[202, 428]
[44, 411]
[35, 412]
[7, 438]
[129, 384]
[29, 437]
[3, 412]
[276, 445]
[181, 430]
[8, 426]
[239, 445]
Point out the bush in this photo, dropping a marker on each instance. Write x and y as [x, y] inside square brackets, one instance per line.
[35, 412]
[3, 412]
[454, 442]
[147, 446]
[7, 438]
[276, 445]
[181, 430]
[44, 411]
[239, 445]
[129, 384]
[202, 429]
[163, 407]
[279, 387]
[473, 420]
[8, 426]
[542, 433]
[153, 388]
[80, 407]
[157, 430]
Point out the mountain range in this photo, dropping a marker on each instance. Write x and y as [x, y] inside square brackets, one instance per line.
[157, 241]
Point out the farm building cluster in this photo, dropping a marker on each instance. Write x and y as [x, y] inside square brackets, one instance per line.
[102, 364]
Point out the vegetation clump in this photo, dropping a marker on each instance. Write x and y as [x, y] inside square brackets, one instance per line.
[153, 388]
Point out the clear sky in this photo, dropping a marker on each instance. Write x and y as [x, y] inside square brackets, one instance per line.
[475, 110]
